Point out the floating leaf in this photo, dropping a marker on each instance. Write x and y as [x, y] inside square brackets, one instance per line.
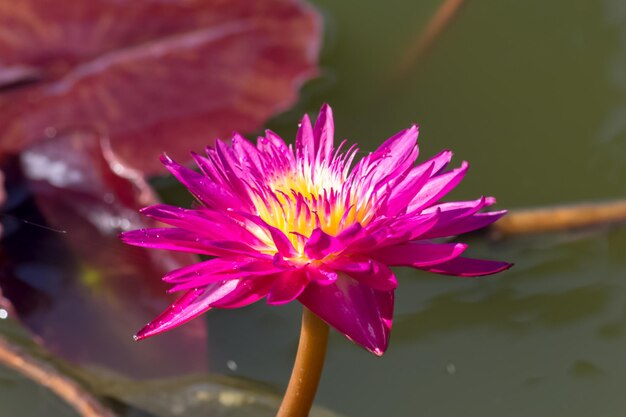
[152, 75]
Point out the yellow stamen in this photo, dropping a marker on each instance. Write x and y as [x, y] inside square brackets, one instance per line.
[296, 203]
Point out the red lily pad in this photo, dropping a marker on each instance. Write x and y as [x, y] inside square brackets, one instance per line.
[79, 289]
[152, 75]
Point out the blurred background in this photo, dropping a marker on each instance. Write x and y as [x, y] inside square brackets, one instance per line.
[532, 94]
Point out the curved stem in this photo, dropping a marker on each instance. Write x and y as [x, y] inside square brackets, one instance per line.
[444, 15]
[307, 368]
[552, 219]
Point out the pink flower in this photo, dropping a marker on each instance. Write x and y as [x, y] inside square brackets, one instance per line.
[286, 222]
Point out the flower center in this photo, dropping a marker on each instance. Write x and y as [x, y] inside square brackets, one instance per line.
[297, 204]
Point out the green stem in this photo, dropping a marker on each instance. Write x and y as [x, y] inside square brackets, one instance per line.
[307, 368]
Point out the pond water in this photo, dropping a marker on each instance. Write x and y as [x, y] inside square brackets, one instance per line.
[533, 94]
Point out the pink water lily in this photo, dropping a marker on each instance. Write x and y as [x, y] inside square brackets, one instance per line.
[307, 222]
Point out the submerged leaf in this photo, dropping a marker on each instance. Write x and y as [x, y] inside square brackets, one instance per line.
[198, 396]
[189, 396]
[72, 282]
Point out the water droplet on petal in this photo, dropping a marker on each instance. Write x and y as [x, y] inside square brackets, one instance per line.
[3, 314]
[377, 352]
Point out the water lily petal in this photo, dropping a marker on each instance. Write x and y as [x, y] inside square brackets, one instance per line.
[394, 157]
[367, 271]
[392, 232]
[321, 244]
[287, 287]
[469, 267]
[321, 274]
[323, 135]
[439, 162]
[191, 304]
[398, 152]
[218, 270]
[419, 255]
[205, 190]
[281, 241]
[206, 223]
[229, 294]
[436, 188]
[461, 208]
[352, 233]
[170, 238]
[248, 154]
[305, 147]
[211, 267]
[469, 224]
[245, 292]
[362, 314]
[405, 190]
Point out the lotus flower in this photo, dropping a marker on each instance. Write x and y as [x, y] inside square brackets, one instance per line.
[306, 223]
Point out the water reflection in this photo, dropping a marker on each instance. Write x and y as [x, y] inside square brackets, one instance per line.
[505, 309]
